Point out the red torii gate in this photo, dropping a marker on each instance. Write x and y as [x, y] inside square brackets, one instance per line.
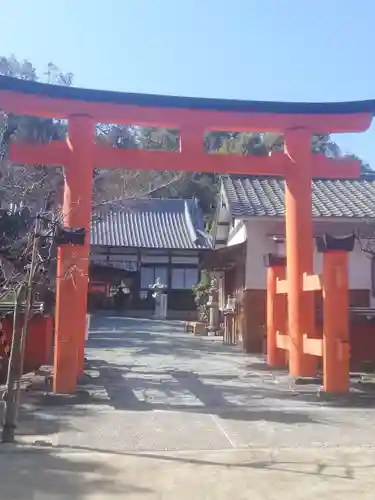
[193, 117]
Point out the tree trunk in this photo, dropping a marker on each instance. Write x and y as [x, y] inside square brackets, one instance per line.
[10, 417]
[20, 324]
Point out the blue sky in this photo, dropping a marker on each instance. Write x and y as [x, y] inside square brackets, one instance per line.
[291, 50]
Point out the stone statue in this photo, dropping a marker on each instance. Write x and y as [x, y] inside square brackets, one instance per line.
[160, 298]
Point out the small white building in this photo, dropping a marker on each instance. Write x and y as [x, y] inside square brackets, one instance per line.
[249, 223]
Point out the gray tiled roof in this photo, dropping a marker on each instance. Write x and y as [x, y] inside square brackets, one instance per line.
[250, 196]
[152, 223]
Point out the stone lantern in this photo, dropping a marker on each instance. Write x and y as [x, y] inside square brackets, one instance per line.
[213, 306]
[161, 299]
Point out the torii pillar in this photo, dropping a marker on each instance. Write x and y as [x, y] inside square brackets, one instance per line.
[299, 248]
[72, 260]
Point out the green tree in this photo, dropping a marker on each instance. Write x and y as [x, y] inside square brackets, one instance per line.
[257, 143]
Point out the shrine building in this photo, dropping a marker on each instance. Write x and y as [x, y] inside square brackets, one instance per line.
[250, 223]
[139, 240]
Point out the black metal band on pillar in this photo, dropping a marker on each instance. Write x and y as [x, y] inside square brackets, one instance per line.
[272, 260]
[69, 236]
[328, 243]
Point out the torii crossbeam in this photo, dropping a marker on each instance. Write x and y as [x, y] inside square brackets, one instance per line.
[193, 117]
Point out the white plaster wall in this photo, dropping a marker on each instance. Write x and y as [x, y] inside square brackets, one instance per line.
[360, 272]
[239, 233]
[259, 244]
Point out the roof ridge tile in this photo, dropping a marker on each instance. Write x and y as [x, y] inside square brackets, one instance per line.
[257, 196]
[140, 227]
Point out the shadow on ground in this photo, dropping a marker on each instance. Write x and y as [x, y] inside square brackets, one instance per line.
[258, 383]
[123, 394]
[151, 366]
[321, 468]
[35, 473]
[180, 385]
[144, 341]
[33, 420]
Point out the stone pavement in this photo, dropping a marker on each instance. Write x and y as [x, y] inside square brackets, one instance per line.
[162, 414]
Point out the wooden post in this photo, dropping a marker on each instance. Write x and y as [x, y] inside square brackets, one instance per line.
[72, 261]
[299, 249]
[335, 322]
[276, 317]
[276, 311]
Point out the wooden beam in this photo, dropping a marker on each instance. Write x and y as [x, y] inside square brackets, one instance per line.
[277, 164]
[282, 341]
[312, 282]
[312, 346]
[52, 153]
[143, 159]
[56, 153]
[174, 117]
[328, 168]
[281, 286]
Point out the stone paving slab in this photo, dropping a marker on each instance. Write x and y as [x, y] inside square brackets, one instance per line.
[163, 414]
[299, 428]
[151, 386]
[133, 431]
[258, 474]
